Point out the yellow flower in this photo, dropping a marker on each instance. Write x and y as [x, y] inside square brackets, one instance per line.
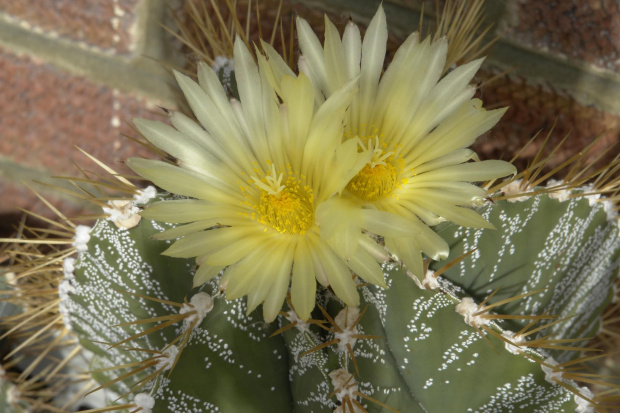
[418, 126]
[255, 172]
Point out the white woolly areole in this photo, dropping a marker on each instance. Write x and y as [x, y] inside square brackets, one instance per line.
[610, 210]
[584, 406]
[430, 281]
[550, 374]
[145, 402]
[514, 188]
[225, 65]
[166, 361]
[561, 195]
[64, 289]
[301, 325]
[82, 237]
[468, 308]
[123, 213]
[345, 318]
[202, 303]
[144, 195]
[10, 278]
[344, 384]
[515, 339]
[68, 267]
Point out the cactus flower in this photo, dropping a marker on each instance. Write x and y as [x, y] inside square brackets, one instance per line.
[418, 126]
[256, 174]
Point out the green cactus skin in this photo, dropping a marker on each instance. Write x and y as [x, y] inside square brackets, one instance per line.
[571, 249]
[422, 356]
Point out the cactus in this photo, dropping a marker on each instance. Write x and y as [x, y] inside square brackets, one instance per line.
[501, 325]
[403, 349]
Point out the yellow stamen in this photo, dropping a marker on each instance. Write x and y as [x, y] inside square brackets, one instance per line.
[379, 177]
[286, 208]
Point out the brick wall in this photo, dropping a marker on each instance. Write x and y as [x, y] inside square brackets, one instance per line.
[73, 72]
[563, 59]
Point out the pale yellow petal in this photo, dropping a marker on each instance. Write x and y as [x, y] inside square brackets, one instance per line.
[341, 223]
[456, 157]
[239, 279]
[461, 216]
[373, 56]
[234, 251]
[312, 52]
[279, 287]
[211, 84]
[408, 252]
[339, 276]
[193, 131]
[459, 131]
[367, 268]
[184, 182]
[352, 46]
[387, 224]
[334, 58]
[472, 172]
[205, 273]
[260, 287]
[298, 96]
[303, 284]
[206, 242]
[279, 67]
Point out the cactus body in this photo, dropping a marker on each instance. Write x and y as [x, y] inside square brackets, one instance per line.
[412, 350]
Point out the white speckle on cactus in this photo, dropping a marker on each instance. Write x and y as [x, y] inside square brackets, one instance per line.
[526, 394]
[202, 303]
[82, 236]
[122, 213]
[514, 339]
[68, 266]
[514, 188]
[144, 402]
[551, 374]
[144, 195]
[344, 320]
[583, 405]
[167, 358]
[468, 309]
[430, 281]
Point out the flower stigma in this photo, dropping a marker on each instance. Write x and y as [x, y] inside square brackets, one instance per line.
[287, 208]
[379, 177]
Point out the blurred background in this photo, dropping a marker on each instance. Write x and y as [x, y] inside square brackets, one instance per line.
[76, 72]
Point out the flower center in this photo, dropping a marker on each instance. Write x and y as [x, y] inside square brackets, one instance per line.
[379, 177]
[288, 208]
